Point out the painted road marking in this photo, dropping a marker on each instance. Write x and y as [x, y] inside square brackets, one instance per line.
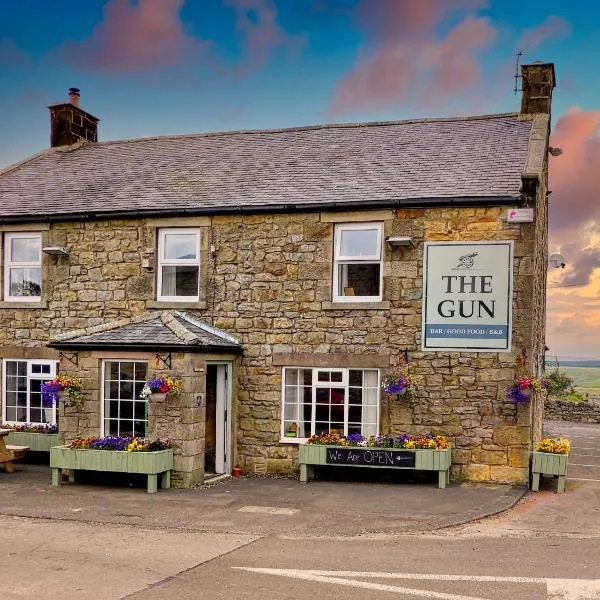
[582, 465]
[581, 479]
[270, 510]
[557, 589]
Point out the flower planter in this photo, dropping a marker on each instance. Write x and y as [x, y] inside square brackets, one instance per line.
[146, 463]
[311, 455]
[545, 463]
[158, 396]
[37, 442]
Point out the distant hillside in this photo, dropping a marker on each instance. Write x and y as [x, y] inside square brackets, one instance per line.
[579, 363]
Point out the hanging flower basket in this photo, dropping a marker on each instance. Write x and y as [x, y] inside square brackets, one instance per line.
[63, 388]
[158, 388]
[398, 383]
[522, 390]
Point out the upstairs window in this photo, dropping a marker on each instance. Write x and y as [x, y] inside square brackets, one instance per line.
[178, 265]
[23, 267]
[357, 268]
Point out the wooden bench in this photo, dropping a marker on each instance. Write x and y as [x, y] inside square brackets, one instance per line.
[382, 458]
[8, 454]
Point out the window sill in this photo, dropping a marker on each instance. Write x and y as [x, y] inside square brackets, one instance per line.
[201, 304]
[381, 305]
[291, 440]
[17, 304]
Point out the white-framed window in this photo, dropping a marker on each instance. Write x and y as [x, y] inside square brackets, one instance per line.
[317, 400]
[123, 411]
[22, 396]
[22, 267]
[358, 262]
[178, 265]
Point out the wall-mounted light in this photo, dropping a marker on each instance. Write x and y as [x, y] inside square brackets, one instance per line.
[400, 240]
[55, 251]
[557, 260]
[555, 151]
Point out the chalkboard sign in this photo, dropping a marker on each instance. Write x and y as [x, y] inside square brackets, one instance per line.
[376, 457]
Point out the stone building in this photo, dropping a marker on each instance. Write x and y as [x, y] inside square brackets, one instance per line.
[279, 274]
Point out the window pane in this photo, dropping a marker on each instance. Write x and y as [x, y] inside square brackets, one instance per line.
[359, 242]
[25, 282]
[141, 370]
[181, 246]
[180, 281]
[291, 377]
[25, 250]
[126, 371]
[359, 279]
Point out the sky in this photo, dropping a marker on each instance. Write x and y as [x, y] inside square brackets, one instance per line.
[156, 67]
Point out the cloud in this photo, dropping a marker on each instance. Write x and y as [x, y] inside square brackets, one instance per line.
[551, 27]
[256, 23]
[13, 56]
[133, 37]
[404, 57]
[575, 175]
[581, 267]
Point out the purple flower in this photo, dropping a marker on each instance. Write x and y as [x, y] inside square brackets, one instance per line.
[517, 395]
[50, 391]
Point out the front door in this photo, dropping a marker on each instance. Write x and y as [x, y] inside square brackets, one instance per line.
[217, 429]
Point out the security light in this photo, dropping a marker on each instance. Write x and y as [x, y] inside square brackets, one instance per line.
[557, 260]
[55, 251]
[402, 240]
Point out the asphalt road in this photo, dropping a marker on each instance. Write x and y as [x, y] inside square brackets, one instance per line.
[546, 547]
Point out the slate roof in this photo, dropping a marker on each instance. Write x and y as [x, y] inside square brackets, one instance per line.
[166, 329]
[360, 165]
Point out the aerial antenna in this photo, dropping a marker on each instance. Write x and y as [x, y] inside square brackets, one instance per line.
[517, 76]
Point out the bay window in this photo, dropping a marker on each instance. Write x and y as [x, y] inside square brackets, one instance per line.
[318, 400]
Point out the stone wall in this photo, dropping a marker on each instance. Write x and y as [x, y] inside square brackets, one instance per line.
[268, 282]
[583, 412]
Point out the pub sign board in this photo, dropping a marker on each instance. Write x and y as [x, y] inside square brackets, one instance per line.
[467, 296]
[370, 457]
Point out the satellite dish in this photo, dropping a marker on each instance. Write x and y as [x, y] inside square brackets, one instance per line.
[557, 260]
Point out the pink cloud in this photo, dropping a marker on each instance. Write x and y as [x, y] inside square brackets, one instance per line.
[404, 57]
[256, 22]
[575, 175]
[551, 27]
[133, 37]
[574, 216]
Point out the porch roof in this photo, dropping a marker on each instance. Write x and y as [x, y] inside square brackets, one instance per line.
[166, 330]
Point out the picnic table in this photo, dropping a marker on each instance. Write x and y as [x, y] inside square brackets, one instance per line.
[8, 454]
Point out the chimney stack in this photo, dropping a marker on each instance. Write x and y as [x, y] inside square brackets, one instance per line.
[70, 124]
[538, 81]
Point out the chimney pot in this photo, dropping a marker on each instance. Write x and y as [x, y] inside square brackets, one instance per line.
[74, 96]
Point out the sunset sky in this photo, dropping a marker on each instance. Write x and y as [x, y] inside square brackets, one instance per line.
[154, 67]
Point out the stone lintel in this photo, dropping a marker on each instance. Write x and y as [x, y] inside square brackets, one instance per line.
[189, 221]
[33, 227]
[358, 361]
[358, 216]
[385, 305]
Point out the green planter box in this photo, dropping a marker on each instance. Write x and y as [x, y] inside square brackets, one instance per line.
[37, 442]
[544, 463]
[311, 455]
[146, 463]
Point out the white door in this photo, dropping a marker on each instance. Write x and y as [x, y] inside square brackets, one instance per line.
[223, 410]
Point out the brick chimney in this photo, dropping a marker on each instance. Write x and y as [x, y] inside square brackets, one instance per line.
[538, 81]
[70, 124]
